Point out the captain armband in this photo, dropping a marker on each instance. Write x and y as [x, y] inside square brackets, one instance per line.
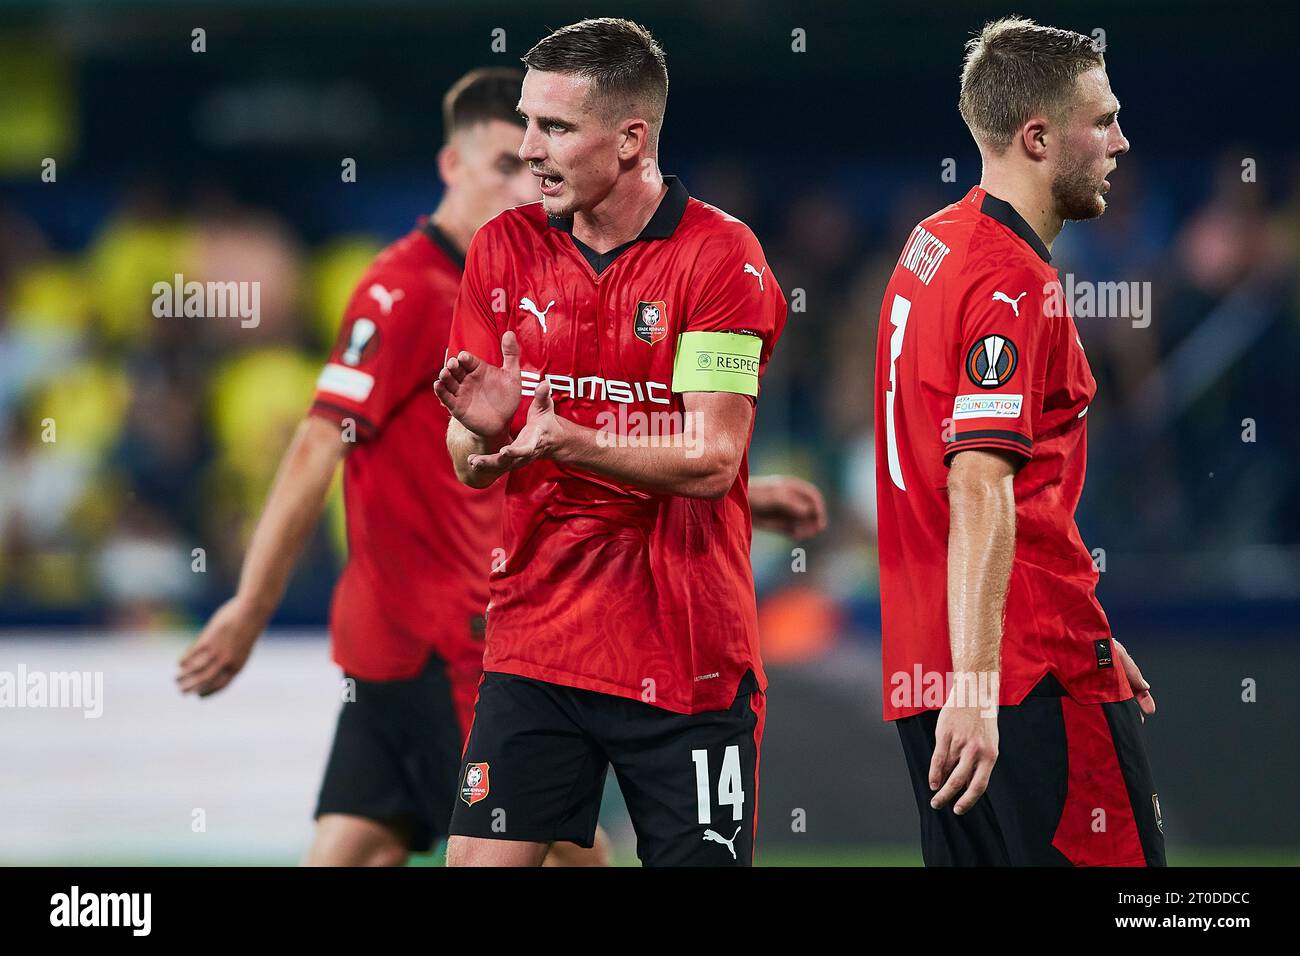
[717, 362]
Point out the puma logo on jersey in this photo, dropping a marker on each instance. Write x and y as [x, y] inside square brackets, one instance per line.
[528, 305]
[1014, 303]
[712, 836]
[750, 270]
[384, 297]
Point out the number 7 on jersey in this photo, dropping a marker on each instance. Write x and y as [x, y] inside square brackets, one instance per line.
[898, 319]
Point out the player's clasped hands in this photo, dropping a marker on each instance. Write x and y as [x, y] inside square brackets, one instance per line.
[481, 396]
[539, 438]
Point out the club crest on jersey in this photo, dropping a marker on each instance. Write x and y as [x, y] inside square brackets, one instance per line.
[363, 341]
[651, 322]
[992, 361]
[474, 783]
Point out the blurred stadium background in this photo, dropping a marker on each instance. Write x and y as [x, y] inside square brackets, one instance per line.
[226, 165]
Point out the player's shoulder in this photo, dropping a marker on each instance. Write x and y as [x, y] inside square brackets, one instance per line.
[976, 247]
[411, 270]
[413, 258]
[515, 223]
[994, 256]
[715, 231]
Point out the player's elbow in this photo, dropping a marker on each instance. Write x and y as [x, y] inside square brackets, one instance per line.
[715, 477]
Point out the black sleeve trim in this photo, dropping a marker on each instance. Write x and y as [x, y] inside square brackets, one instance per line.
[994, 433]
[336, 414]
[989, 438]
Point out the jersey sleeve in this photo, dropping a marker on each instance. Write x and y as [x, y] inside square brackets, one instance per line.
[1008, 330]
[479, 319]
[385, 350]
[735, 316]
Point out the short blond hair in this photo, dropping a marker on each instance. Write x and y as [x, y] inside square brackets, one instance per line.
[1016, 69]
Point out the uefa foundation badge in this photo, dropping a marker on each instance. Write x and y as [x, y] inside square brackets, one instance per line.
[651, 322]
[474, 785]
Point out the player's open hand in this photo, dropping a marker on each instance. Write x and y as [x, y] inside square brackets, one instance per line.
[539, 437]
[1141, 689]
[965, 750]
[220, 651]
[787, 505]
[481, 396]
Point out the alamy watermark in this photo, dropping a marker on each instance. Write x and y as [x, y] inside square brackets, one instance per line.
[637, 429]
[62, 690]
[931, 690]
[1099, 300]
[208, 300]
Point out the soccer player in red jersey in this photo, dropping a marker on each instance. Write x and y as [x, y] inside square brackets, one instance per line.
[995, 649]
[406, 620]
[605, 358]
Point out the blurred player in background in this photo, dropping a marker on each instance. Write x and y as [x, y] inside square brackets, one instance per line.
[407, 620]
[407, 617]
[623, 627]
[987, 589]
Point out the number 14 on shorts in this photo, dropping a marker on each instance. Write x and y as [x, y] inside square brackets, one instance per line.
[731, 790]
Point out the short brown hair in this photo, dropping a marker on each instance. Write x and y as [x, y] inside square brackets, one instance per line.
[1016, 69]
[481, 95]
[626, 65]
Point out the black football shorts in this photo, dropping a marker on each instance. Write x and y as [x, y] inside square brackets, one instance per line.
[1071, 787]
[396, 753]
[535, 765]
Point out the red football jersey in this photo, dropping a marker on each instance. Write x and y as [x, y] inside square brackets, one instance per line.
[977, 349]
[606, 586]
[420, 543]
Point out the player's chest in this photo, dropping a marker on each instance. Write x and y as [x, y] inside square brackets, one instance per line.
[621, 325]
[1069, 387]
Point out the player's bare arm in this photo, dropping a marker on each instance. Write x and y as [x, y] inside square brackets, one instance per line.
[981, 544]
[292, 509]
[787, 505]
[704, 464]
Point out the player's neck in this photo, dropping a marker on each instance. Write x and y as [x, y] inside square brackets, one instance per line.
[456, 228]
[1033, 203]
[621, 215]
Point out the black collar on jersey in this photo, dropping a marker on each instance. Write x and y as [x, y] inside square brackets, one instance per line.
[443, 242]
[661, 226]
[1005, 213]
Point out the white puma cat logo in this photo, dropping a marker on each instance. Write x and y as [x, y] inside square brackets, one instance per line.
[712, 836]
[750, 270]
[528, 305]
[384, 297]
[1014, 303]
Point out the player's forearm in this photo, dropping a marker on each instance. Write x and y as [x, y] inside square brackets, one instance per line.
[290, 514]
[683, 464]
[461, 443]
[981, 544]
[764, 494]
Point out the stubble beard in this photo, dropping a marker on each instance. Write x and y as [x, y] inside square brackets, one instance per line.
[1076, 191]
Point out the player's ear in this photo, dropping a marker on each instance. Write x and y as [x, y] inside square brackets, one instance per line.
[1033, 136]
[448, 164]
[634, 138]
